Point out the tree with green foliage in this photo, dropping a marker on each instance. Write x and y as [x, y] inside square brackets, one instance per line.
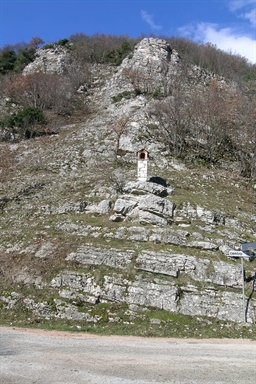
[7, 61]
[24, 57]
[11, 61]
[23, 124]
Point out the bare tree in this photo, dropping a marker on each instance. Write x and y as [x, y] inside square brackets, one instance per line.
[120, 128]
[45, 91]
[36, 42]
[219, 114]
[174, 116]
[173, 124]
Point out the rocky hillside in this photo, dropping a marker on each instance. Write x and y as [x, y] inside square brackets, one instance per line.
[84, 243]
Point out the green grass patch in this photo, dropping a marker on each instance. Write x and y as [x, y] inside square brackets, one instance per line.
[153, 323]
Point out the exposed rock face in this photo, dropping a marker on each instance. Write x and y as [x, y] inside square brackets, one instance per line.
[151, 65]
[98, 256]
[199, 269]
[154, 50]
[50, 60]
[143, 244]
[124, 94]
[150, 208]
[159, 293]
[186, 299]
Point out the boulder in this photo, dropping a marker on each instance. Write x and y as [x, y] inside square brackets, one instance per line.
[156, 205]
[151, 218]
[169, 236]
[145, 187]
[116, 218]
[161, 262]
[124, 206]
[104, 207]
[137, 234]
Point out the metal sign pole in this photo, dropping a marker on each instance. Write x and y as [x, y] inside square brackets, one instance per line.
[248, 250]
[242, 265]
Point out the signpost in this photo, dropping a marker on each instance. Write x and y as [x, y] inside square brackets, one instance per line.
[242, 256]
[237, 254]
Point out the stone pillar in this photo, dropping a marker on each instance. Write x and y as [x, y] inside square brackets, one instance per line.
[142, 165]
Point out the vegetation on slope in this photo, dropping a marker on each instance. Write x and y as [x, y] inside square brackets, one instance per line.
[209, 126]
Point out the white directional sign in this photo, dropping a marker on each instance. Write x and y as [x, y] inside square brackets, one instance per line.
[247, 251]
[237, 254]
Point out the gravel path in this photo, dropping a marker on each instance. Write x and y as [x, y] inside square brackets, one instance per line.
[41, 357]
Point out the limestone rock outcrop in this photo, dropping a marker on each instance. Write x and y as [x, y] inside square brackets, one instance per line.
[144, 203]
[50, 60]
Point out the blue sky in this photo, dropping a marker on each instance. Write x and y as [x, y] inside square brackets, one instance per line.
[229, 24]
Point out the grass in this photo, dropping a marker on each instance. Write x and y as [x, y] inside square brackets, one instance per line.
[143, 324]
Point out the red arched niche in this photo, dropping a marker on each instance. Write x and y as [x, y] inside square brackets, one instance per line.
[143, 154]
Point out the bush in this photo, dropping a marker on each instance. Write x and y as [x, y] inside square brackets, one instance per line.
[120, 54]
[7, 61]
[63, 42]
[29, 116]
[250, 76]
[23, 124]
[120, 96]
[24, 57]
[48, 46]
[156, 94]
[10, 61]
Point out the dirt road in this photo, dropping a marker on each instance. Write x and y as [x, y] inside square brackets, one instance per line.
[41, 357]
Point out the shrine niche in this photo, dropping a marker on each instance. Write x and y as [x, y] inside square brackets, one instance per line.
[143, 156]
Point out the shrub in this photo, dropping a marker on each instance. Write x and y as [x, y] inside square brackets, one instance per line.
[156, 94]
[15, 61]
[63, 42]
[23, 124]
[124, 94]
[7, 61]
[25, 56]
[250, 76]
[48, 46]
[29, 116]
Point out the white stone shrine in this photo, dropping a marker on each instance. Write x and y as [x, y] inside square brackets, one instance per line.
[143, 156]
